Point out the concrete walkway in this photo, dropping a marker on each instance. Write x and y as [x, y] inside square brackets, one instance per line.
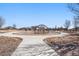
[32, 45]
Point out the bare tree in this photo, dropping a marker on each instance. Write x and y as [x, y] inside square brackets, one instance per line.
[34, 29]
[42, 28]
[2, 22]
[74, 7]
[67, 24]
[76, 23]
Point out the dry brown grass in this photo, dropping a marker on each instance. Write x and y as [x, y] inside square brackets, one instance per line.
[63, 40]
[66, 45]
[8, 45]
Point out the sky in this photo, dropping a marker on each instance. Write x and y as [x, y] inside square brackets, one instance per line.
[30, 14]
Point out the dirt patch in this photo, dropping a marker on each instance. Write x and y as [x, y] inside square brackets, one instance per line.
[8, 45]
[65, 45]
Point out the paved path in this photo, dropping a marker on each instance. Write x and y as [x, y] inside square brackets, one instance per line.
[32, 46]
